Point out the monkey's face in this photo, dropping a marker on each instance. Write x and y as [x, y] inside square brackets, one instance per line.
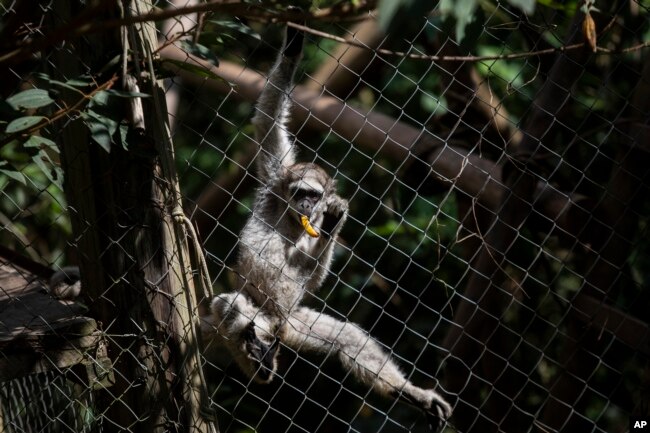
[304, 198]
[306, 189]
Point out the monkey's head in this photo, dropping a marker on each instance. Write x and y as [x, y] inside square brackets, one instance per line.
[306, 188]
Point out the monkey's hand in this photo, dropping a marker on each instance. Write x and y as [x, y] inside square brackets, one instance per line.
[336, 212]
[435, 407]
[438, 413]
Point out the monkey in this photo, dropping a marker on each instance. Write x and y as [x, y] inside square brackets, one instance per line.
[286, 249]
[65, 283]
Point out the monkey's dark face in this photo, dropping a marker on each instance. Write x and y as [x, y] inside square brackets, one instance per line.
[305, 199]
[307, 185]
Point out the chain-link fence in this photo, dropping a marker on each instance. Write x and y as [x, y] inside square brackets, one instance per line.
[495, 160]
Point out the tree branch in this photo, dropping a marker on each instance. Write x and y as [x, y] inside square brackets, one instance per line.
[83, 25]
[472, 175]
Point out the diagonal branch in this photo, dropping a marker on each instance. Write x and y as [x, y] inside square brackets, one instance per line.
[470, 174]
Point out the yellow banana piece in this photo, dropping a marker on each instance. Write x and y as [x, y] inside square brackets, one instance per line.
[311, 231]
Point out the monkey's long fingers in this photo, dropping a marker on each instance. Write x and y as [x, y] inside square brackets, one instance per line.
[435, 408]
[437, 420]
[311, 231]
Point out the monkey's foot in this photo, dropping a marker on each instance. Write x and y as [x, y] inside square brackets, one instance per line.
[262, 356]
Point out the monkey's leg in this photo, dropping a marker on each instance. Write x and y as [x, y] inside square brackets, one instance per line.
[247, 333]
[309, 330]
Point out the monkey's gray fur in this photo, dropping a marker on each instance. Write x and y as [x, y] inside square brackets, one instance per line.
[65, 283]
[278, 261]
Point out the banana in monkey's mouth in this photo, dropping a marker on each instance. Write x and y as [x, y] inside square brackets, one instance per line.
[311, 231]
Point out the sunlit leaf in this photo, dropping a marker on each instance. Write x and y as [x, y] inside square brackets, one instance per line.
[49, 168]
[101, 128]
[527, 6]
[23, 123]
[11, 172]
[38, 141]
[99, 98]
[462, 11]
[32, 98]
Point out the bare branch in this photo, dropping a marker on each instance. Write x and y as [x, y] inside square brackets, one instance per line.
[434, 58]
[472, 175]
[84, 24]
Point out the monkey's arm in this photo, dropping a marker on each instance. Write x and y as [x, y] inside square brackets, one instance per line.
[272, 111]
[312, 331]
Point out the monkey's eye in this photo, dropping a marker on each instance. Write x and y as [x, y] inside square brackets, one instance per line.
[302, 193]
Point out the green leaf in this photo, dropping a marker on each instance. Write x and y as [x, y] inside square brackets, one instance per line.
[201, 51]
[23, 123]
[433, 105]
[387, 10]
[124, 133]
[11, 172]
[32, 98]
[82, 81]
[101, 128]
[123, 94]
[527, 6]
[49, 168]
[100, 98]
[558, 5]
[38, 142]
[462, 11]
[239, 27]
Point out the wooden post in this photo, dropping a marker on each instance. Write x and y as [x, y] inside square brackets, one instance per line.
[133, 254]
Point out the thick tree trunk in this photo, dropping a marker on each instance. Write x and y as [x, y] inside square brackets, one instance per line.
[132, 251]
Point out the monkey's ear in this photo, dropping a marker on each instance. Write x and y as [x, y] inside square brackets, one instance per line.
[294, 38]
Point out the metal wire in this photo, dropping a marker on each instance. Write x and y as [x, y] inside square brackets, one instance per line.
[497, 242]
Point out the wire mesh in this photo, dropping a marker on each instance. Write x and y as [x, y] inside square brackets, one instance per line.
[496, 245]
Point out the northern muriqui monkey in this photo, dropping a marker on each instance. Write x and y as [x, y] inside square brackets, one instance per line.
[285, 250]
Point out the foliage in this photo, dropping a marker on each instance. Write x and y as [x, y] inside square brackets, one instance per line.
[393, 14]
[30, 164]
